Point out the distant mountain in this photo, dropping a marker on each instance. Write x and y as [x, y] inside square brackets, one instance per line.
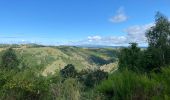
[98, 46]
[103, 46]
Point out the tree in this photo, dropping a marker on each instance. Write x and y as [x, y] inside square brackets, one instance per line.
[68, 71]
[156, 55]
[150, 60]
[158, 38]
[9, 59]
[129, 58]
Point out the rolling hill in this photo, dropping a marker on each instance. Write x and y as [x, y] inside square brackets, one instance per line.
[48, 59]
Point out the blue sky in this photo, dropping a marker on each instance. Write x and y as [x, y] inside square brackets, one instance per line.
[77, 22]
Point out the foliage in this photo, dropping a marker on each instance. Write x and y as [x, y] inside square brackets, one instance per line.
[158, 38]
[149, 60]
[129, 58]
[155, 56]
[127, 85]
[92, 78]
[23, 86]
[68, 90]
[9, 59]
[68, 71]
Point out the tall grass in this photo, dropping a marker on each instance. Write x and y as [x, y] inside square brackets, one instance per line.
[128, 85]
[67, 90]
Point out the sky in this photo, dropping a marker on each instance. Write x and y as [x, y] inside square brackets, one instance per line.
[78, 22]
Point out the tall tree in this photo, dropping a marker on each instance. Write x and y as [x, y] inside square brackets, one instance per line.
[158, 38]
[129, 58]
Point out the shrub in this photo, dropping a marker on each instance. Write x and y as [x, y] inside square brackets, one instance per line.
[94, 77]
[68, 71]
[24, 86]
[9, 59]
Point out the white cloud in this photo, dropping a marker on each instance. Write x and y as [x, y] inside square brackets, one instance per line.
[119, 17]
[112, 40]
[94, 38]
[137, 33]
[133, 34]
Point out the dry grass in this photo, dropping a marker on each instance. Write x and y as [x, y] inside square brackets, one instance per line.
[109, 67]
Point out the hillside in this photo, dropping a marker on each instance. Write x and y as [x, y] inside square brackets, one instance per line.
[47, 60]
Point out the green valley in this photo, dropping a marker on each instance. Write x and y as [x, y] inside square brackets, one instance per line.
[47, 60]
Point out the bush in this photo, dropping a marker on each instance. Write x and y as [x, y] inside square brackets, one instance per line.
[68, 71]
[9, 59]
[92, 78]
[24, 86]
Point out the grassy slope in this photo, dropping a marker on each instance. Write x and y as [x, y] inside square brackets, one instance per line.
[49, 59]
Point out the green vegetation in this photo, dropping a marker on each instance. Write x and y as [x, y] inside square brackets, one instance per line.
[22, 68]
[157, 55]
[130, 58]
[68, 71]
[95, 77]
[35, 72]
[128, 85]
[159, 40]
[47, 60]
[9, 59]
